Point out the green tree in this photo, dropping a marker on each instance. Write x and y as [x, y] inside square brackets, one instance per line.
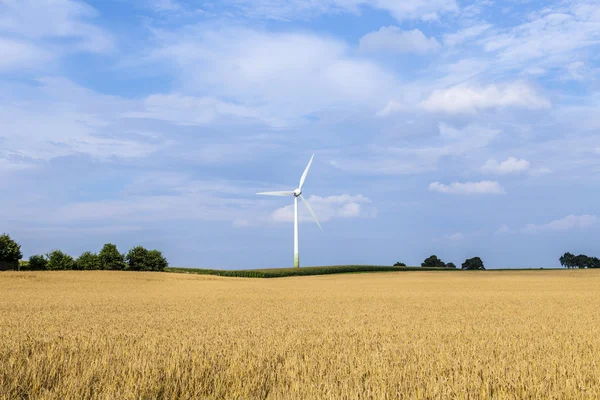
[450, 265]
[580, 261]
[567, 260]
[38, 263]
[10, 253]
[399, 264]
[88, 261]
[138, 259]
[57, 260]
[156, 261]
[110, 258]
[473, 263]
[433, 262]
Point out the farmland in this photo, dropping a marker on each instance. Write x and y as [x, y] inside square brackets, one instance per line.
[442, 334]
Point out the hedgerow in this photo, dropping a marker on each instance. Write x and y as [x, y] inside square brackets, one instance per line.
[285, 272]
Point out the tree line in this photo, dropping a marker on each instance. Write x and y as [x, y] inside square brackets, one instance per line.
[433, 261]
[108, 258]
[569, 260]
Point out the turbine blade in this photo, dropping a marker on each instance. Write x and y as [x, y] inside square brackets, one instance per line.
[303, 178]
[311, 211]
[276, 193]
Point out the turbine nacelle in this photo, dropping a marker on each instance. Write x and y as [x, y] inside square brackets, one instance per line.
[297, 192]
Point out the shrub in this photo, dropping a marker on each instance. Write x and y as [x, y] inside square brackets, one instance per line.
[57, 260]
[473, 263]
[88, 261]
[10, 253]
[450, 265]
[110, 258]
[37, 263]
[138, 258]
[433, 262]
[399, 264]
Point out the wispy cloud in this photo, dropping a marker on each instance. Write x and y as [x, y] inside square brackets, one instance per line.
[457, 38]
[468, 188]
[570, 222]
[59, 118]
[393, 39]
[416, 159]
[189, 110]
[18, 54]
[457, 237]
[469, 99]
[299, 9]
[274, 77]
[511, 165]
[328, 208]
[503, 229]
[550, 35]
[58, 19]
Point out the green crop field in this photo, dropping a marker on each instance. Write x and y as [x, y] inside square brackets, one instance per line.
[304, 271]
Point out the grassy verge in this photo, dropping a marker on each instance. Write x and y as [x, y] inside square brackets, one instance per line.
[284, 272]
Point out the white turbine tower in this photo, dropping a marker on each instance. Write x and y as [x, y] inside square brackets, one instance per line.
[297, 193]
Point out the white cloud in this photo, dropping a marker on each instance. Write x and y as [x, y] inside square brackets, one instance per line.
[540, 171]
[58, 118]
[535, 71]
[87, 230]
[426, 10]
[188, 110]
[570, 222]
[551, 35]
[276, 77]
[165, 5]
[8, 165]
[240, 223]
[156, 197]
[503, 229]
[459, 72]
[454, 39]
[458, 237]
[483, 187]
[393, 39]
[392, 107]
[20, 54]
[417, 158]
[469, 99]
[328, 208]
[509, 166]
[577, 70]
[56, 19]
[165, 197]
[294, 9]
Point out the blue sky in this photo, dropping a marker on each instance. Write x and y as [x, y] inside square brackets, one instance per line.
[456, 128]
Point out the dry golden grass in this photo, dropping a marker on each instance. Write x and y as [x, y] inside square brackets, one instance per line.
[120, 335]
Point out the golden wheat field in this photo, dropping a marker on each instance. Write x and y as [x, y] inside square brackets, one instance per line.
[421, 335]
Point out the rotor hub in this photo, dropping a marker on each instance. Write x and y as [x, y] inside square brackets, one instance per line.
[297, 192]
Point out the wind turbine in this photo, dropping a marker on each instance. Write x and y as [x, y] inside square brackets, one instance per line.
[297, 193]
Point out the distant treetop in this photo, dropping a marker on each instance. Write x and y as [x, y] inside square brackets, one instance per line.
[473, 264]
